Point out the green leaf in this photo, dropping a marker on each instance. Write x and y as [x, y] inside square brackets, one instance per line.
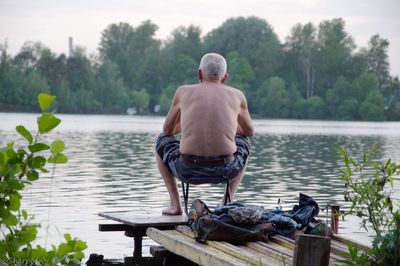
[80, 245]
[25, 214]
[15, 202]
[38, 253]
[57, 146]
[24, 133]
[63, 249]
[38, 162]
[58, 158]
[38, 147]
[11, 220]
[342, 152]
[45, 101]
[47, 122]
[33, 175]
[15, 184]
[67, 237]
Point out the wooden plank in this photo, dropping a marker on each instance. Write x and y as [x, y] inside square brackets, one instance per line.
[277, 255]
[284, 241]
[345, 241]
[187, 247]
[312, 250]
[264, 260]
[240, 251]
[135, 219]
[114, 227]
[159, 251]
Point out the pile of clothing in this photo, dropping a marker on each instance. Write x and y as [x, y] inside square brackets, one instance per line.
[238, 223]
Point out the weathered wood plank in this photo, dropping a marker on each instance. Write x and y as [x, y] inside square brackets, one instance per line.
[345, 241]
[277, 255]
[147, 219]
[250, 256]
[114, 227]
[312, 250]
[187, 247]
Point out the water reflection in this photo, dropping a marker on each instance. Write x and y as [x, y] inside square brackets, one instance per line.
[112, 168]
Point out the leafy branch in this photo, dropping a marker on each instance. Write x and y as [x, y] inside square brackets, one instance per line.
[19, 168]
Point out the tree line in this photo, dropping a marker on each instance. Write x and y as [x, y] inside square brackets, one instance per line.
[317, 73]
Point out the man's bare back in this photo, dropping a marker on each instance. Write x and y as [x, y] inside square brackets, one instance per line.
[208, 115]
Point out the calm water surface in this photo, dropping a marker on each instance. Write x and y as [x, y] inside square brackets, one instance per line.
[112, 168]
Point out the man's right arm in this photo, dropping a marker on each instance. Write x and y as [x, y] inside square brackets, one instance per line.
[173, 119]
[245, 125]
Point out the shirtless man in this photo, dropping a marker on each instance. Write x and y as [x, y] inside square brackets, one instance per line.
[214, 124]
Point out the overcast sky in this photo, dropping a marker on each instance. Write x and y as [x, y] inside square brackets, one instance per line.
[53, 21]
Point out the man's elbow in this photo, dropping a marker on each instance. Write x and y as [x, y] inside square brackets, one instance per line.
[248, 132]
[168, 131]
[251, 132]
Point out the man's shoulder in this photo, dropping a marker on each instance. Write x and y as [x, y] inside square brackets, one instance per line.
[234, 90]
[186, 87]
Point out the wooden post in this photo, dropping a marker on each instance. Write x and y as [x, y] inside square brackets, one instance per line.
[137, 252]
[311, 250]
[137, 237]
[335, 218]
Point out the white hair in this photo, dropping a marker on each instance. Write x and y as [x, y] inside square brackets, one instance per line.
[213, 64]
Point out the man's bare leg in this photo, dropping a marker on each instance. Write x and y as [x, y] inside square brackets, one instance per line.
[172, 187]
[233, 186]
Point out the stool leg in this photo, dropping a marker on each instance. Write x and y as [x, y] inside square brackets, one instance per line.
[185, 195]
[227, 194]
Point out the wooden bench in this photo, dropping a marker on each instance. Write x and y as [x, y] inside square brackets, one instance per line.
[135, 224]
[305, 250]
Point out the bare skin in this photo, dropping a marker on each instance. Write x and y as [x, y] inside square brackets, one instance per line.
[208, 115]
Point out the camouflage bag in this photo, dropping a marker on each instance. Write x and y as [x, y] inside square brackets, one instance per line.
[207, 226]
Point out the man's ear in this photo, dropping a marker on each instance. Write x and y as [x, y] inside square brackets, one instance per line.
[200, 75]
[225, 77]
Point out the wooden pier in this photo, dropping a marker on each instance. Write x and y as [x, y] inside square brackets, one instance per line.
[175, 237]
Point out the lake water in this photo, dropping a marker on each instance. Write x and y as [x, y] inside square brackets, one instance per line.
[111, 168]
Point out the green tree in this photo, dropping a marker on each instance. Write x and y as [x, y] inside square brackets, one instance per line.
[315, 107]
[111, 91]
[348, 109]
[334, 55]
[241, 75]
[294, 97]
[53, 68]
[371, 108]
[378, 61]
[184, 70]
[253, 38]
[273, 98]
[33, 84]
[139, 99]
[335, 97]
[115, 41]
[29, 55]
[186, 41]
[166, 99]
[301, 46]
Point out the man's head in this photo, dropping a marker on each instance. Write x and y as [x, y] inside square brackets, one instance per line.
[213, 67]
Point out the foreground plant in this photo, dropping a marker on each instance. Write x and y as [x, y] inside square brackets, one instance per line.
[369, 189]
[19, 168]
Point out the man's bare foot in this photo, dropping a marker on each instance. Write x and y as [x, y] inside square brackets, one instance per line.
[172, 211]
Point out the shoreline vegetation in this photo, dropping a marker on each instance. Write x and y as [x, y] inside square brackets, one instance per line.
[316, 73]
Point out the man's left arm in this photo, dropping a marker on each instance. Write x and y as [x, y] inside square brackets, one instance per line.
[245, 125]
